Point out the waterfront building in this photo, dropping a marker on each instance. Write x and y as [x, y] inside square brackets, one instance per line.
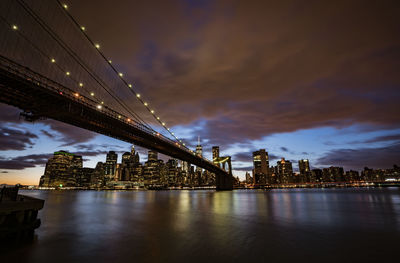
[61, 169]
[261, 167]
[153, 170]
[111, 165]
[285, 172]
[83, 177]
[352, 176]
[152, 156]
[172, 171]
[98, 178]
[333, 174]
[199, 152]
[305, 172]
[249, 179]
[317, 175]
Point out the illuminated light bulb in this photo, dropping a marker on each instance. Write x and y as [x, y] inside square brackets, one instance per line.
[83, 28]
[184, 144]
[97, 46]
[91, 93]
[130, 85]
[65, 6]
[60, 93]
[121, 74]
[158, 118]
[158, 134]
[119, 116]
[163, 124]
[152, 111]
[167, 129]
[102, 102]
[53, 60]
[76, 94]
[173, 133]
[138, 95]
[128, 120]
[14, 27]
[80, 84]
[67, 73]
[145, 104]
[99, 107]
[180, 140]
[110, 61]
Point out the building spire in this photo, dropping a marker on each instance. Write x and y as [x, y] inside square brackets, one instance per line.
[198, 140]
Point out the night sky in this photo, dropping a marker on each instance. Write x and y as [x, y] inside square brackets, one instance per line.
[302, 79]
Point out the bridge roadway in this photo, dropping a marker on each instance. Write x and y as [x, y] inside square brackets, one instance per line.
[41, 97]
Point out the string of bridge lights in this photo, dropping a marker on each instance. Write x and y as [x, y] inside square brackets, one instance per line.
[121, 76]
[67, 73]
[52, 60]
[138, 96]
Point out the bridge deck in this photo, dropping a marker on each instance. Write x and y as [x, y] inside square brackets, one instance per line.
[34, 93]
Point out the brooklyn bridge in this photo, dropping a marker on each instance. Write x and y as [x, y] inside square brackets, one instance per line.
[51, 68]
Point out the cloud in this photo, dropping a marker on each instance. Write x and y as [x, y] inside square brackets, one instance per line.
[91, 153]
[22, 162]
[66, 133]
[284, 149]
[293, 68]
[395, 137]
[249, 69]
[244, 168]
[13, 139]
[382, 157]
[48, 134]
[70, 135]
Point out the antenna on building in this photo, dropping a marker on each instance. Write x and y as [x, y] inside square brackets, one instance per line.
[198, 140]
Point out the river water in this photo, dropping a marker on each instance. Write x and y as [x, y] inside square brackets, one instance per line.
[303, 225]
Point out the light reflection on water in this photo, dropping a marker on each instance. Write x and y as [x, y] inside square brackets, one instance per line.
[198, 226]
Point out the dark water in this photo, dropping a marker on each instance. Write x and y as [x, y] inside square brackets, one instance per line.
[304, 225]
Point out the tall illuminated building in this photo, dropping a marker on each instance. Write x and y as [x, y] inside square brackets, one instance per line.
[304, 166]
[305, 172]
[61, 170]
[260, 167]
[199, 152]
[285, 171]
[111, 164]
[152, 156]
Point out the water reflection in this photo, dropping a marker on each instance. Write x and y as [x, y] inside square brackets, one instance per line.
[198, 226]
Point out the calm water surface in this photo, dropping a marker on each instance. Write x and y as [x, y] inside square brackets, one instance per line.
[318, 225]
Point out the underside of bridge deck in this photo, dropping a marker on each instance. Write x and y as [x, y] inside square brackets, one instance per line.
[34, 97]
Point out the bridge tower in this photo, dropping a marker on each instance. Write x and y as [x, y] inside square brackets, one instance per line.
[224, 181]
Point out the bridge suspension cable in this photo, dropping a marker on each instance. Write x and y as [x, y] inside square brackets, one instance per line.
[77, 59]
[128, 85]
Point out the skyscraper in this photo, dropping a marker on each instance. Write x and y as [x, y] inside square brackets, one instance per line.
[61, 169]
[111, 164]
[304, 166]
[152, 156]
[261, 167]
[285, 171]
[305, 172]
[199, 152]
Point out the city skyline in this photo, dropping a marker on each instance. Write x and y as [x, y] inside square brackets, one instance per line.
[66, 170]
[295, 94]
